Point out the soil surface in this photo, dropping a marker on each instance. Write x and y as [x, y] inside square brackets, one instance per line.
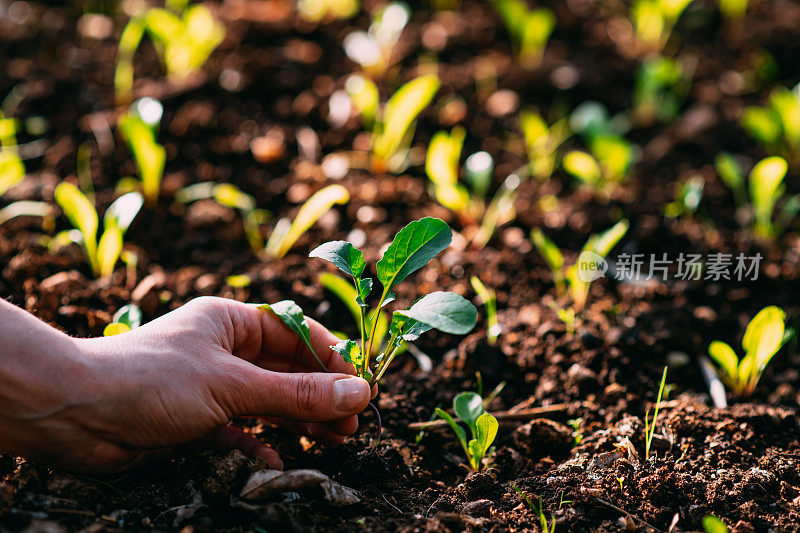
[584, 463]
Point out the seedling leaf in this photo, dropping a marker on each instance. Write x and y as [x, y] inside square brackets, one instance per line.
[764, 335]
[350, 352]
[344, 255]
[725, 357]
[292, 315]
[487, 431]
[412, 248]
[446, 311]
[468, 406]
[459, 431]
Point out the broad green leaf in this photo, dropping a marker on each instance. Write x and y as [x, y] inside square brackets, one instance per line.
[115, 328]
[344, 255]
[487, 431]
[12, 170]
[459, 431]
[291, 315]
[548, 249]
[401, 111]
[712, 524]
[350, 352]
[130, 315]
[122, 211]
[468, 406]
[311, 211]
[725, 357]
[446, 311]
[582, 166]
[764, 335]
[765, 185]
[412, 248]
[603, 243]
[108, 250]
[413, 329]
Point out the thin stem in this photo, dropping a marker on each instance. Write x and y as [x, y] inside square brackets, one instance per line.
[374, 328]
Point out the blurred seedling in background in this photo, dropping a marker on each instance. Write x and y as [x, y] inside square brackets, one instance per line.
[712, 524]
[394, 124]
[412, 248]
[373, 49]
[183, 35]
[285, 232]
[139, 127]
[12, 173]
[578, 278]
[321, 10]
[530, 29]
[542, 142]
[488, 299]
[654, 20]
[239, 282]
[81, 213]
[469, 409]
[777, 125]
[128, 317]
[661, 88]
[688, 196]
[610, 155]
[765, 191]
[764, 337]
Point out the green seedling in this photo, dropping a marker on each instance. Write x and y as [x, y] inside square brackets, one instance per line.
[661, 88]
[530, 29]
[128, 317]
[469, 409]
[373, 49]
[412, 248]
[545, 526]
[650, 428]
[139, 126]
[733, 10]
[712, 524]
[577, 431]
[765, 190]
[469, 203]
[687, 198]
[489, 300]
[606, 164]
[763, 338]
[542, 142]
[238, 282]
[183, 39]
[102, 254]
[776, 126]
[654, 20]
[231, 196]
[12, 173]
[578, 276]
[393, 126]
[320, 10]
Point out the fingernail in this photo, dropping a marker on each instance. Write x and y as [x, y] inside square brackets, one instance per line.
[349, 393]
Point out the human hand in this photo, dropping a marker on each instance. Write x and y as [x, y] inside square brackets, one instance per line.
[174, 385]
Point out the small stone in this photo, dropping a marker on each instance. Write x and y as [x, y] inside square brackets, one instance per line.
[478, 508]
[502, 103]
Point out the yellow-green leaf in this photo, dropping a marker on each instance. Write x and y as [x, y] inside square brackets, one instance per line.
[401, 111]
[82, 215]
[764, 335]
[108, 250]
[582, 166]
[115, 328]
[725, 357]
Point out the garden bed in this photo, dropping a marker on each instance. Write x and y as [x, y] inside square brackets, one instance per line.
[273, 75]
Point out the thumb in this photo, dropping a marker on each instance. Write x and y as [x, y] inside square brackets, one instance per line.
[307, 397]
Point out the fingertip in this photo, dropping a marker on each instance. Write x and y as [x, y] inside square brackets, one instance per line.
[270, 456]
[351, 394]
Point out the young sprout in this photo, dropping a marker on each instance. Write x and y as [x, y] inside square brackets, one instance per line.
[374, 48]
[650, 429]
[542, 142]
[489, 300]
[654, 20]
[184, 41]
[319, 10]
[128, 317]
[530, 29]
[230, 195]
[102, 254]
[777, 125]
[687, 198]
[712, 524]
[661, 88]
[766, 191]
[469, 409]
[412, 248]
[394, 125]
[763, 338]
[580, 274]
[138, 127]
[239, 282]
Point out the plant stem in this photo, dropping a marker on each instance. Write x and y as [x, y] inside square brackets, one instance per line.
[374, 329]
[650, 431]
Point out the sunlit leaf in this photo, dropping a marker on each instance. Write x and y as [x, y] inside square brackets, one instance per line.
[115, 328]
[401, 111]
[343, 255]
[12, 170]
[582, 166]
[291, 315]
[764, 335]
[446, 311]
[412, 248]
[725, 357]
[468, 406]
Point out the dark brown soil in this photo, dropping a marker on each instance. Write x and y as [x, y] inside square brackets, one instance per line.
[741, 463]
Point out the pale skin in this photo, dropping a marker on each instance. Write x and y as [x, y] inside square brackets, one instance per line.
[172, 386]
